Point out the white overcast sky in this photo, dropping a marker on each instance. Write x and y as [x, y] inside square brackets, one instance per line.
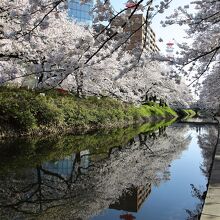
[167, 34]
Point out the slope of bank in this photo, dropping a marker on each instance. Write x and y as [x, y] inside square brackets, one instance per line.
[186, 113]
[25, 112]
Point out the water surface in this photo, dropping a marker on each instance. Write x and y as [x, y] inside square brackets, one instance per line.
[147, 172]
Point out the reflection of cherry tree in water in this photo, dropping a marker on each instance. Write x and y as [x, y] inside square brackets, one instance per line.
[207, 142]
[87, 190]
[38, 189]
[200, 194]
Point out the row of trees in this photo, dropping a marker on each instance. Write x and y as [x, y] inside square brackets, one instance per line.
[42, 47]
[37, 40]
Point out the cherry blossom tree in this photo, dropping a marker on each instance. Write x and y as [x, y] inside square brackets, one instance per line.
[200, 58]
[209, 95]
[116, 78]
[39, 41]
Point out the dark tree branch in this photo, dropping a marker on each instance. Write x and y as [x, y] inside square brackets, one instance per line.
[207, 66]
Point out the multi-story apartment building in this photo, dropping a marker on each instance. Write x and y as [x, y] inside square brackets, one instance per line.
[80, 12]
[139, 36]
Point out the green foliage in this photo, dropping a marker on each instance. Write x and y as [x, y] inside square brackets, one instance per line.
[27, 110]
[46, 111]
[15, 109]
[186, 113]
[191, 112]
[156, 111]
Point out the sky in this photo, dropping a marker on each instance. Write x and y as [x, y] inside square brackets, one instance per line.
[174, 33]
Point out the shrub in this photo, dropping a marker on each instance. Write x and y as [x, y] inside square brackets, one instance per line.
[25, 110]
[46, 111]
[15, 110]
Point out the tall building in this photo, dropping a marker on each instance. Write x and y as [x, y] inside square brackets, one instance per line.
[80, 12]
[138, 30]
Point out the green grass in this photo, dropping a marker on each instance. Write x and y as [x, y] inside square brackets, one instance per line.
[29, 111]
[186, 113]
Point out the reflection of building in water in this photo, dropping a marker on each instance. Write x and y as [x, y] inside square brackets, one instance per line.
[132, 199]
[66, 166]
[127, 217]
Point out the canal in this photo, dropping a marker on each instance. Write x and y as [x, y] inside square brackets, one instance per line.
[149, 172]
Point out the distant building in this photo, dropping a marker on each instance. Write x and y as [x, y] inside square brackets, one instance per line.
[138, 38]
[80, 12]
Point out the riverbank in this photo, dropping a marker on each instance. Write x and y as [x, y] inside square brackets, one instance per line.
[186, 113]
[25, 112]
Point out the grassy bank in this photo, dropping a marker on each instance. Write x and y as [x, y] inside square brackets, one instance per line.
[186, 113]
[31, 112]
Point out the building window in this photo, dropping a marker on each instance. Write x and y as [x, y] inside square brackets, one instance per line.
[80, 12]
